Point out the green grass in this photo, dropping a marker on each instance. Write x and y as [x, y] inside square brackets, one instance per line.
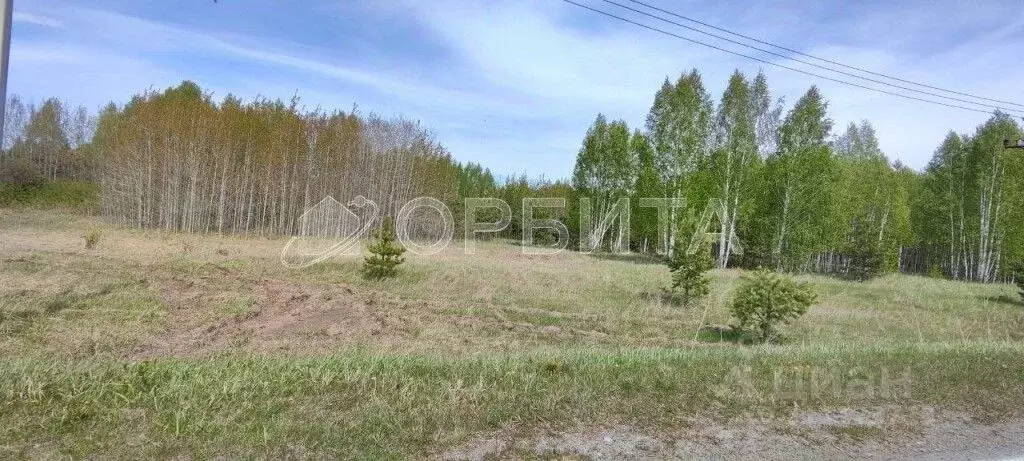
[74, 307]
[238, 306]
[497, 341]
[359, 405]
[856, 433]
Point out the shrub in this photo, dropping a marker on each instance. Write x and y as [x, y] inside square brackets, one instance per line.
[92, 238]
[385, 253]
[20, 173]
[766, 299]
[77, 196]
[689, 280]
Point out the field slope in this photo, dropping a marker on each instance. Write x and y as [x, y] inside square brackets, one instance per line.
[172, 345]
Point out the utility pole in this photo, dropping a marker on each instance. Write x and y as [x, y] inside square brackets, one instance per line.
[1013, 144]
[6, 8]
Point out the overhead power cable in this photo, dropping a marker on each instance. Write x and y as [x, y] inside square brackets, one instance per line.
[826, 60]
[829, 69]
[765, 61]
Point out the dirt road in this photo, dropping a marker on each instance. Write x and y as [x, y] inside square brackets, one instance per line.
[845, 434]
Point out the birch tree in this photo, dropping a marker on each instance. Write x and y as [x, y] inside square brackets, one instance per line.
[178, 161]
[971, 208]
[605, 173]
[804, 174]
[678, 125]
[736, 149]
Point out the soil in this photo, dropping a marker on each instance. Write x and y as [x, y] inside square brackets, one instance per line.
[278, 316]
[293, 318]
[889, 433]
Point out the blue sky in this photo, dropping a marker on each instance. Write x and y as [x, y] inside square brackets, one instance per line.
[512, 84]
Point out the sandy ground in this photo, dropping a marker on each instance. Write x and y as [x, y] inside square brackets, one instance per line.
[845, 434]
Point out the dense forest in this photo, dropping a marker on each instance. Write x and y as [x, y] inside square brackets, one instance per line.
[797, 193]
[802, 198]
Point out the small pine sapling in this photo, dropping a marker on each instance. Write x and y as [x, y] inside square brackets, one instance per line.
[385, 253]
[867, 257]
[766, 299]
[689, 279]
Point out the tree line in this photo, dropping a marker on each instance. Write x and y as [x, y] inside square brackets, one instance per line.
[796, 193]
[177, 160]
[801, 197]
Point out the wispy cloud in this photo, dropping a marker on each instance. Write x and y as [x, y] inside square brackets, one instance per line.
[35, 19]
[512, 84]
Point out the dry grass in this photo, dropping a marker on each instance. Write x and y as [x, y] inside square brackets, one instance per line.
[158, 344]
[141, 290]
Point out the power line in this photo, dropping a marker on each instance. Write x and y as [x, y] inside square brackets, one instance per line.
[848, 74]
[806, 62]
[859, 69]
[856, 85]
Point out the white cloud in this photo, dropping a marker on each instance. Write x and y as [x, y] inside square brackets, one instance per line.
[528, 48]
[522, 80]
[36, 19]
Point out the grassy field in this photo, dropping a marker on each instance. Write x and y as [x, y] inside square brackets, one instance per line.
[163, 344]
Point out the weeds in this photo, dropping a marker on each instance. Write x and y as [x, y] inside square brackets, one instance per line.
[92, 238]
[487, 342]
[403, 406]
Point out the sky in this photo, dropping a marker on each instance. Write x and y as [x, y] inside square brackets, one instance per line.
[514, 84]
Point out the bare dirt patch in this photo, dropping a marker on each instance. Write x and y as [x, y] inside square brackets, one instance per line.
[210, 315]
[221, 309]
[877, 433]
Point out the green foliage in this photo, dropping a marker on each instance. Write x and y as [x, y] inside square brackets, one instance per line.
[689, 279]
[800, 202]
[74, 195]
[20, 173]
[385, 253]
[679, 129]
[766, 299]
[605, 172]
[644, 219]
[802, 205]
[513, 191]
[971, 201]
[475, 181]
[735, 152]
[867, 258]
[874, 199]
